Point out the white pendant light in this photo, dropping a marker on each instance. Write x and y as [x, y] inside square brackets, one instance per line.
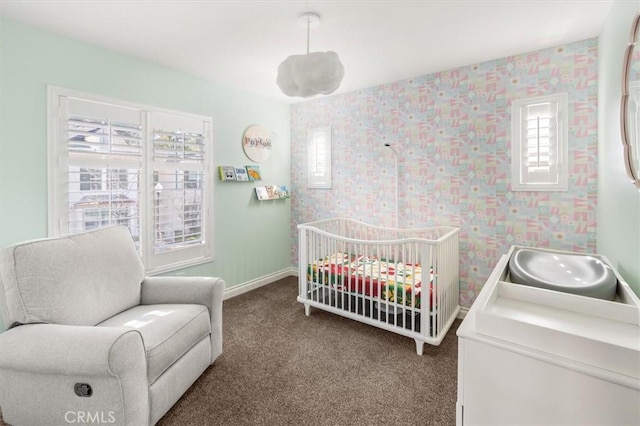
[315, 73]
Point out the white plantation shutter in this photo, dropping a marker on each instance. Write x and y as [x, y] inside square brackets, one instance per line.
[135, 166]
[539, 144]
[319, 157]
[540, 156]
[179, 154]
[103, 196]
[101, 147]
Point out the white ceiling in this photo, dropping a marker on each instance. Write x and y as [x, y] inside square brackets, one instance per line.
[241, 43]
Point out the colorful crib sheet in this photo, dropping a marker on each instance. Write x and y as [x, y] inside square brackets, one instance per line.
[371, 276]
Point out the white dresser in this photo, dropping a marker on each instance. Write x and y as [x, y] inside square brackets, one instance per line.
[528, 356]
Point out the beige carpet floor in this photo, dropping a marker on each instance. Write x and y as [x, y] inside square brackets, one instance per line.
[280, 367]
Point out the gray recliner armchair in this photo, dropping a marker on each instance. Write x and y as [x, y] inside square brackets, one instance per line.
[91, 339]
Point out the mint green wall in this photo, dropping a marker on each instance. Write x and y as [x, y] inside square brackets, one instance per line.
[252, 238]
[618, 232]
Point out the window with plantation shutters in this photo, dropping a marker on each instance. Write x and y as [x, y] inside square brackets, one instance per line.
[113, 162]
[319, 157]
[539, 144]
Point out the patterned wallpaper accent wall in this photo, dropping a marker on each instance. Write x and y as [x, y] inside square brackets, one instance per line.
[452, 133]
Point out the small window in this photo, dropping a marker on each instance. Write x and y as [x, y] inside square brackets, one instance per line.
[539, 150]
[319, 157]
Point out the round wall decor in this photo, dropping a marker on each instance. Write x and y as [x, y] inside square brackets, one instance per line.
[257, 143]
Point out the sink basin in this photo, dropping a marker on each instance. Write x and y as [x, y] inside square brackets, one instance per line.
[579, 274]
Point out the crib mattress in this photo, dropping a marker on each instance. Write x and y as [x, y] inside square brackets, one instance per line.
[390, 280]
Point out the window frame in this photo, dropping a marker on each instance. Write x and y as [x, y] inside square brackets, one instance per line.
[58, 163]
[559, 144]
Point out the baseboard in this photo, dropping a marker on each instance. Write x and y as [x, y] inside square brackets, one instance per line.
[462, 313]
[239, 289]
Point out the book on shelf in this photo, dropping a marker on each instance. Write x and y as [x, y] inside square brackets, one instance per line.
[282, 191]
[261, 193]
[254, 172]
[272, 192]
[241, 174]
[227, 173]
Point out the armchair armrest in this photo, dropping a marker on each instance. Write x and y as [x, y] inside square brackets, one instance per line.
[72, 350]
[206, 291]
[43, 361]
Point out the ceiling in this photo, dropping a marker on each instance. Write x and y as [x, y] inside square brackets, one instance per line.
[240, 43]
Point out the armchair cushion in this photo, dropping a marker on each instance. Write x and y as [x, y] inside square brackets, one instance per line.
[199, 290]
[168, 331]
[78, 279]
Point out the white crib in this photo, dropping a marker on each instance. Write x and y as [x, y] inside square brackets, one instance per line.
[382, 276]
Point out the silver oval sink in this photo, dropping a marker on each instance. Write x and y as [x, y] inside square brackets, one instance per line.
[570, 273]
